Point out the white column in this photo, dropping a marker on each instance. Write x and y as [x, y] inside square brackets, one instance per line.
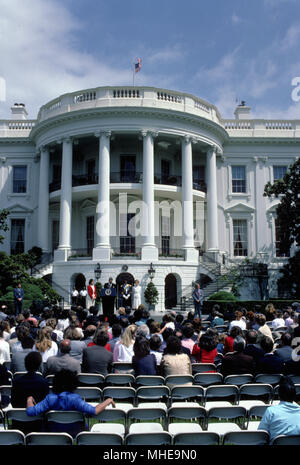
[149, 249]
[102, 249]
[191, 254]
[212, 205]
[43, 208]
[64, 247]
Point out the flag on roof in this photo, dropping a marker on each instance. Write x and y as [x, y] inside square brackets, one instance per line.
[138, 65]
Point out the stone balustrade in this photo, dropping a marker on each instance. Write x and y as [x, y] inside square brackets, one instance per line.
[16, 128]
[145, 97]
[262, 128]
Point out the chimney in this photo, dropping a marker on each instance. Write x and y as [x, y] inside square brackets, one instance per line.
[242, 111]
[18, 111]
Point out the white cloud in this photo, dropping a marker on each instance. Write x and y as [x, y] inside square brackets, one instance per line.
[167, 54]
[222, 70]
[235, 19]
[40, 58]
[291, 38]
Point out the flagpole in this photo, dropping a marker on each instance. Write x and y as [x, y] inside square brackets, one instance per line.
[133, 75]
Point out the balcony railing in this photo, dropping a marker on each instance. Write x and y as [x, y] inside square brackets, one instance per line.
[120, 252]
[171, 253]
[84, 179]
[77, 254]
[176, 180]
[130, 177]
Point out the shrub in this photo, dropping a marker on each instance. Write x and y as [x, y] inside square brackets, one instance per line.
[224, 296]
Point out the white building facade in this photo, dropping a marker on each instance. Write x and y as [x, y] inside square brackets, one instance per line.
[129, 176]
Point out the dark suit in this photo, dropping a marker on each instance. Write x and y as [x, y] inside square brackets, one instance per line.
[96, 359]
[237, 363]
[254, 351]
[270, 363]
[18, 294]
[30, 384]
[284, 353]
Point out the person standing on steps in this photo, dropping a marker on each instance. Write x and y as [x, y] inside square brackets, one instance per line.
[198, 298]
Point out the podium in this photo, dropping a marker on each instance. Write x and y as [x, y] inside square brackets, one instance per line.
[108, 296]
[109, 292]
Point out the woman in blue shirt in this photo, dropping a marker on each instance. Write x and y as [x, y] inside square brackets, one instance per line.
[63, 398]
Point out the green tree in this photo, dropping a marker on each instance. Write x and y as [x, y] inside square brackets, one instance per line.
[151, 294]
[14, 269]
[288, 217]
[3, 223]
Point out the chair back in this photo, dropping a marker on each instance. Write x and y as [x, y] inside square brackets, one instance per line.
[246, 438]
[90, 438]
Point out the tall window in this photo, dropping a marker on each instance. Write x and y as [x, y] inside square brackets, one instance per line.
[56, 173]
[19, 179]
[17, 238]
[165, 235]
[198, 176]
[55, 234]
[128, 168]
[165, 171]
[90, 234]
[127, 241]
[238, 178]
[91, 170]
[240, 238]
[279, 238]
[279, 172]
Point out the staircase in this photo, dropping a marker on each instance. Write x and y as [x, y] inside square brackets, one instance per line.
[216, 271]
[42, 270]
[45, 268]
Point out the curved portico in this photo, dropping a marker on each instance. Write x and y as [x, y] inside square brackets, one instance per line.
[184, 152]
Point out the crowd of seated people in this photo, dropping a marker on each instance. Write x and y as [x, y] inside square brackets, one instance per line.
[79, 340]
[95, 344]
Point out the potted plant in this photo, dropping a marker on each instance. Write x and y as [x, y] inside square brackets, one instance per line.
[151, 295]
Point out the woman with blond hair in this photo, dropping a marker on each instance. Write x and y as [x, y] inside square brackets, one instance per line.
[123, 351]
[270, 312]
[44, 343]
[137, 295]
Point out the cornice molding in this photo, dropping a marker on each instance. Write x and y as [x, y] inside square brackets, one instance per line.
[199, 121]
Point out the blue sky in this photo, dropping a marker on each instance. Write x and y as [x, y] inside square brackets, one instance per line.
[220, 50]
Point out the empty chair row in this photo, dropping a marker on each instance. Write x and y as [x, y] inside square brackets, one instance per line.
[15, 437]
[265, 393]
[180, 417]
[203, 378]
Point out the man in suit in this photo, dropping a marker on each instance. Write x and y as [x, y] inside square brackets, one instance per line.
[126, 294]
[30, 384]
[198, 297]
[108, 301]
[253, 349]
[269, 363]
[18, 298]
[95, 358]
[236, 362]
[63, 361]
[285, 350]
[18, 357]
